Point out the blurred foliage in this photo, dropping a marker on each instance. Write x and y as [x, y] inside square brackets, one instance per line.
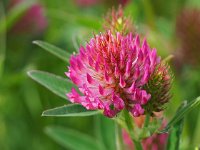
[70, 25]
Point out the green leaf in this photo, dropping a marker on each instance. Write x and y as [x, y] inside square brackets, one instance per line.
[72, 139]
[62, 54]
[56, 84]
[150, 129]
[181, 113]
[174, 136]
[105, 132]
[71, 110]
[175, 132]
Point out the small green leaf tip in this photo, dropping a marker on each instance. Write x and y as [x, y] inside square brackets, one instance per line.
[62, 54]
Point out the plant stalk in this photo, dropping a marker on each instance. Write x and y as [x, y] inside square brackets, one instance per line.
[119, 139]
[129, 124]
[137, 145]
[147, 119]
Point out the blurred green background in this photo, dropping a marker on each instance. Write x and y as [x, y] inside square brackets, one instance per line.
[68, 24]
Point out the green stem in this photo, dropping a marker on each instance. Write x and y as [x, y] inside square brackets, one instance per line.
[119, 139]
[137, 145]
[147, 119]
[129, 124]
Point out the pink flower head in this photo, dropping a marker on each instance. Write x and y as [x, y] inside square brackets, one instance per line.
[32, 21]
[111, 71]
[188, 34]
[115, 21]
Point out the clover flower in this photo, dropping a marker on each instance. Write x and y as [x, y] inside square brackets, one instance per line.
[111, 73]
[32, 21]
[158, 86]
[188, 33]
[115, 21]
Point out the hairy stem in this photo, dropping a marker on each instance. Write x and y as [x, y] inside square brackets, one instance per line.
[119, 139]
[147, 119]
[129, 124]
[137, 145]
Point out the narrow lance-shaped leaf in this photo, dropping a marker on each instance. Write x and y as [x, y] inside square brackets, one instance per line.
[105, 132]
[71, 110]
[58, 85]
[62, 54]
[179, 115]
[72, 139]
[175, 132]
